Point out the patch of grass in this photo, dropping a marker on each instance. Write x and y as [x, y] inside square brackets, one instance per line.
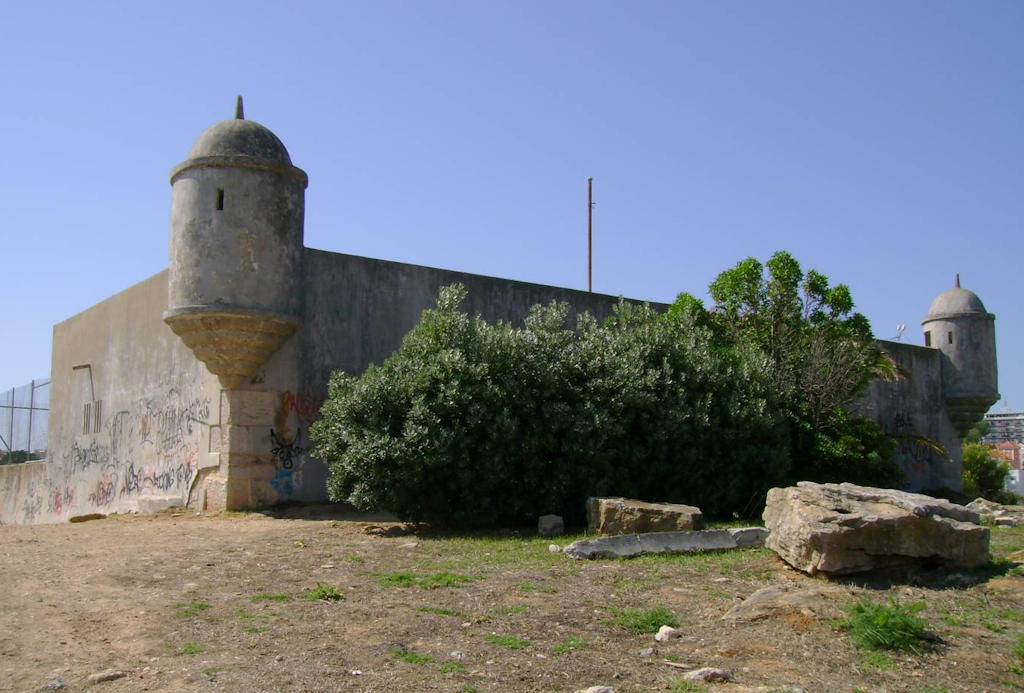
[513, 610]
[644, 620]
[299, 544]
[526, 587]
[269, 597]
[399, 579]
[570, 644]
[190, 609]
[411, 656]
[1005, 540]
[452, 668]
[954, 619]
[875, 659]
[445, 579]
[243, 614]
[354, 559]
[407, 578]
[210, 671]
[1017, 666]
[324, 592]
[885, 627]
[468, 689]
[191, 648]
[509, 641]
[255, 630]
[721, 562]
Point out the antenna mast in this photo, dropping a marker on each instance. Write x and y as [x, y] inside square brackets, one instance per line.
[590, 234]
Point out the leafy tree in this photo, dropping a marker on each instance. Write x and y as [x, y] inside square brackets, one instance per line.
[978, 431]
[984, 474]
[821, 356]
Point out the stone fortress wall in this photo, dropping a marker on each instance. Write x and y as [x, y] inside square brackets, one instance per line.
[197, 386]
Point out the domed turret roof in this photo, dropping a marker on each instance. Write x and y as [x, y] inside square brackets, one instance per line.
[240, 138]
[954, 302]
[239, 143]
[957, 301]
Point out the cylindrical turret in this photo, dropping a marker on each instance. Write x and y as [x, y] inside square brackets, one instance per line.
[958, 325]
[236, 248]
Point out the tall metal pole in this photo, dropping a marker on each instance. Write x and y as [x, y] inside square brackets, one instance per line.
[31, 403]
[590, 234]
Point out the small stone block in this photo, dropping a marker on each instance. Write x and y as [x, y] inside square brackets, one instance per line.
[550, 525]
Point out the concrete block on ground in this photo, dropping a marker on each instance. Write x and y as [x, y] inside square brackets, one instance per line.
[628, 516]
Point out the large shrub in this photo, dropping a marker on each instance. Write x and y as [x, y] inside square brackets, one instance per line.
[473, 424]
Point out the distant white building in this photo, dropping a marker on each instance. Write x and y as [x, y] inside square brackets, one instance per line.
[1006, 426]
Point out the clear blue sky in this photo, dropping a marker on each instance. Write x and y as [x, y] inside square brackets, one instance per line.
[881, 143]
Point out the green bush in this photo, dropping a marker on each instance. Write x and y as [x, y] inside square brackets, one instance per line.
[471, 424]
[644, 620]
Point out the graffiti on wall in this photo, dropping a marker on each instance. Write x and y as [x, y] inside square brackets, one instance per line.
[914, 451]
[305, 407]
[60, 499]
[296, 410]
[150, 448]
[286, 450]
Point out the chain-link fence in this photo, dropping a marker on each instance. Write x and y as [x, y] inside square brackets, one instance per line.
[24, 417]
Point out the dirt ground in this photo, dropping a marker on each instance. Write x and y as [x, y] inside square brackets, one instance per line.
[182, 602]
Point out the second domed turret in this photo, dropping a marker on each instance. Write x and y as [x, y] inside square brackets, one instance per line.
[958, 325]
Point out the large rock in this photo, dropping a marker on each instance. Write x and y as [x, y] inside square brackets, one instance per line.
[625, 516]
[999, 515]
[843, 528]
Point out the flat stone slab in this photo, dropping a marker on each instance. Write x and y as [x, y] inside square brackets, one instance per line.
[629, 545]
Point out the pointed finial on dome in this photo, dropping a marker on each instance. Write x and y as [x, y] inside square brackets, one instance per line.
[239, 114]
[957, 274]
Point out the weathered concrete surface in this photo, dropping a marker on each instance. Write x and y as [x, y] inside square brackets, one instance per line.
[627, 516]
[130, 411]
[358, 309]
[630, 545]
[912, 409]
[837, 529]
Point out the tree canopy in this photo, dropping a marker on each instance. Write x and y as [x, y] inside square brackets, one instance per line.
[821, 356]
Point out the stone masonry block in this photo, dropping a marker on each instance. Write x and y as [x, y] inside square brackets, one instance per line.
[235, 439]
[247, 467]
[248, 408]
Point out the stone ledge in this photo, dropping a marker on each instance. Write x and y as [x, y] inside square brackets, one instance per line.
[630, 545]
